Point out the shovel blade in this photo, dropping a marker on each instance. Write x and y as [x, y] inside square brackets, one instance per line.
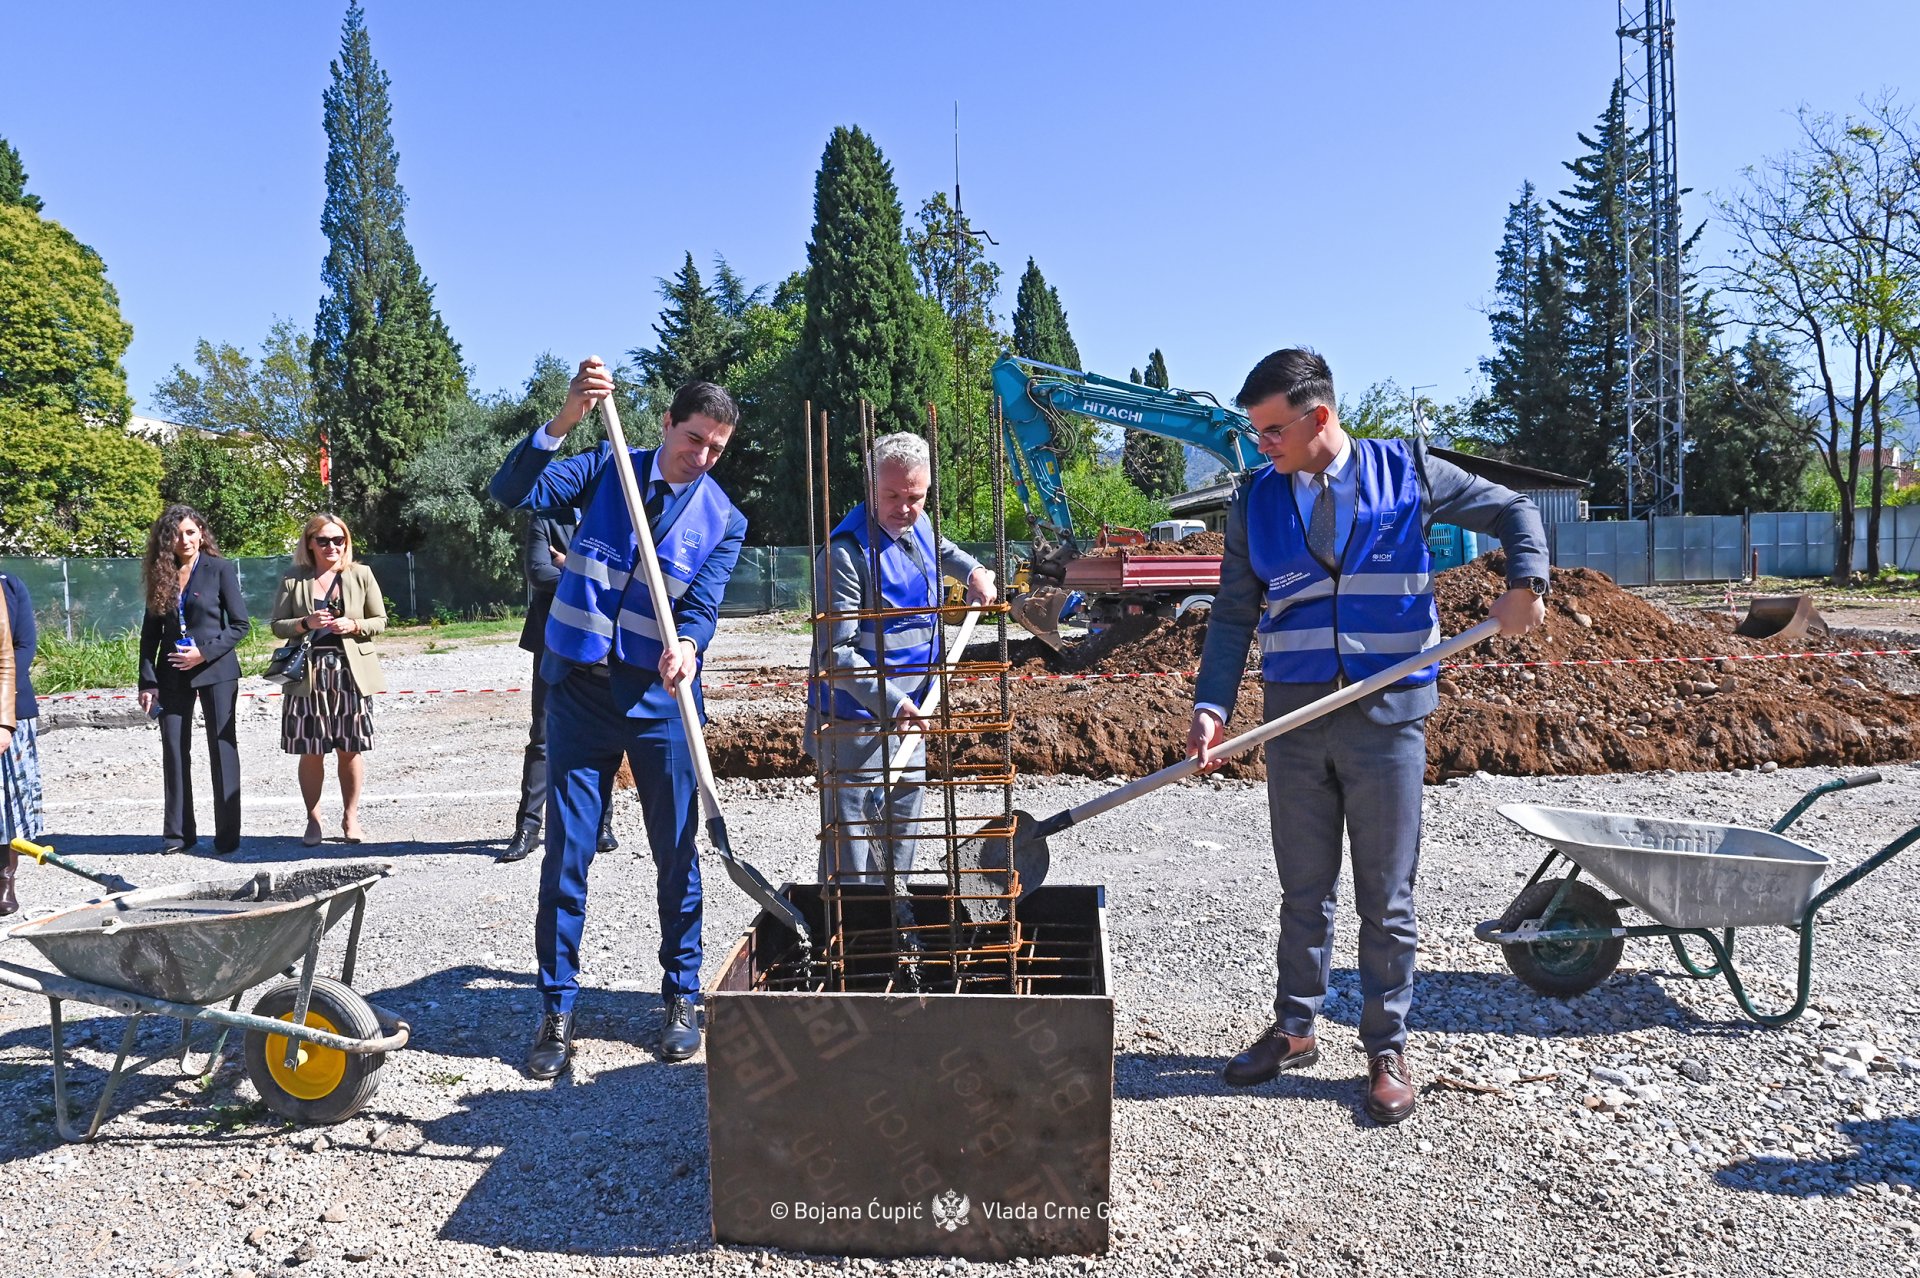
[754, 884]
[983, 859]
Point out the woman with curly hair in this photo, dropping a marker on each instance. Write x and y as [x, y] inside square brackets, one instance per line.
[337, 602]
[195, 619]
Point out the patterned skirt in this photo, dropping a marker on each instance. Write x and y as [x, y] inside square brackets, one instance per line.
[332, 715]
[20, 800]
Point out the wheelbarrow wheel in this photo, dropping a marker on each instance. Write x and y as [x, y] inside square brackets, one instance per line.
[326, 1085]
[1562, 969]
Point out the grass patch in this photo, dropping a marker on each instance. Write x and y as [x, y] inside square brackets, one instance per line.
[94, 660]
[445, 632]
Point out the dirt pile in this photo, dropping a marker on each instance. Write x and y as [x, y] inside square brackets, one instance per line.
[1688, 716]
[1200, 543]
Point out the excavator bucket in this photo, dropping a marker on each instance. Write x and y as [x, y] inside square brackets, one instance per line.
[1039, 611]
[1781, 617]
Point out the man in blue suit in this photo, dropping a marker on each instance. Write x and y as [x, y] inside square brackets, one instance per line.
[612, 669]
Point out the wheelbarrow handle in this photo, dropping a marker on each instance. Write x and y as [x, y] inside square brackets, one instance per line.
[1818, 792]
[42, 854]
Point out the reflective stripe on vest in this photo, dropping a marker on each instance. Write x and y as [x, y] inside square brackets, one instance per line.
[910, 638]
[601, 606]
[1379, 610]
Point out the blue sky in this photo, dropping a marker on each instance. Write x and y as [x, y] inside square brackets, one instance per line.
[1217, 180]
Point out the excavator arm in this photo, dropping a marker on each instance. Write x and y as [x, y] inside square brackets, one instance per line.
[1038, 399]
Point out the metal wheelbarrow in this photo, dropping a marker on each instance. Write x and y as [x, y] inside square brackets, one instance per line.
[313, 1047]
[1563, 935]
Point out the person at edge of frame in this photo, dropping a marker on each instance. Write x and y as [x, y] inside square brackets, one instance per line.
[16, 819]
[549, 532]
[1327, 563]
[612, 682]
[872, 821]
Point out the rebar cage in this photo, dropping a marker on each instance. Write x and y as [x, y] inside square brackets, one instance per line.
[934, 909]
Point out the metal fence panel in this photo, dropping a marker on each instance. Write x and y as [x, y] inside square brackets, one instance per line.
[1899, 539]
[1699, 548]
[1615, 547]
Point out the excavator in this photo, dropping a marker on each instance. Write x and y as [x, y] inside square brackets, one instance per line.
[1038, 400]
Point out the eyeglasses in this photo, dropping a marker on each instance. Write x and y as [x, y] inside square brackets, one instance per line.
[329, 541]
[1272, 434]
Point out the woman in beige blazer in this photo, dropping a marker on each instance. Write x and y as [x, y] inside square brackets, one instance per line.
[337, 602]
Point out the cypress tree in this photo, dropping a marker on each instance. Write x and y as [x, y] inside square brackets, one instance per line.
[865, 335]
[695, 333]
[1529, 409]
[1156, 465]
[13, 180]
[1040, 333]
[386, 373]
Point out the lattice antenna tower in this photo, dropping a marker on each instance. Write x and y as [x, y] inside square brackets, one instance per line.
[971, 464]
[1656, 402]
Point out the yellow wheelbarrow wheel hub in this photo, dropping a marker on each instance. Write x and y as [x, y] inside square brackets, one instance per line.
[317, 1070]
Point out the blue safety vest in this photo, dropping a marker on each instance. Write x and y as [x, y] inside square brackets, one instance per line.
[602, 605]
[909, 637]
[1379, 609]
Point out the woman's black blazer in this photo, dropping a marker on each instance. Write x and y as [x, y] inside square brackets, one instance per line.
[217, 620]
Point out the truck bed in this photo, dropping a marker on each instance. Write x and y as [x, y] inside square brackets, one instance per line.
[1128, 573]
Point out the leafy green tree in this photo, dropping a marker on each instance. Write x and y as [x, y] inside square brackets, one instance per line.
[386, 373]
[952, 269]
[268, 401]
[864, 336]
[237, 484]
[61, 334]
[13, 180]
[469, 552]
[1154, 464]
[1102, 494]
[73, 488]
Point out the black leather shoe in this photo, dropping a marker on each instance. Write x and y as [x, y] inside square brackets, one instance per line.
[607, 842]
[521, 845]
[680, 1036]
[552, 1046]
[9, 866]
[1272, 1052]
[175, 845]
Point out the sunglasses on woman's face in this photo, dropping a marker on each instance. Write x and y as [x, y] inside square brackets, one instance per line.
[329, 541]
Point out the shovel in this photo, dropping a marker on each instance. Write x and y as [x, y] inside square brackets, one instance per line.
[45, 855]
[1029, 853]
[744, 876]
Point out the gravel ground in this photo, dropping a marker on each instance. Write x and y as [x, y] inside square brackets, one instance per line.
[1643, 1128]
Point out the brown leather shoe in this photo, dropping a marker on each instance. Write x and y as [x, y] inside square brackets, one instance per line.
[1390, 1093]
[1272, 1052]
[9, 866]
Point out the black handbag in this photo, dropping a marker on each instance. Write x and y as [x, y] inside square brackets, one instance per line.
[288, 664]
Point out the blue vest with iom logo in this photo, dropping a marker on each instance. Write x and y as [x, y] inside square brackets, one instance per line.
[1379, 609]
[602, 605]
[910, 637]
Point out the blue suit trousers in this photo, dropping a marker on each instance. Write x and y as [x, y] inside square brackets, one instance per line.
[586, 736]
[1346, 774]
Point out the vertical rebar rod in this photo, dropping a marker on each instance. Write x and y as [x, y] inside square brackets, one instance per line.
[829, 891]
[1006, 705]
[943, 662]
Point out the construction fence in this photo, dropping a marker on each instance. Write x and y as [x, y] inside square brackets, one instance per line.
[1705, 548]
[73, 595]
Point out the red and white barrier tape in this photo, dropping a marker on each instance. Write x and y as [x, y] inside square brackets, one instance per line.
[1135, 674]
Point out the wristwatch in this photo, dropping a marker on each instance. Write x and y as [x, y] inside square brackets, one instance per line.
[1538, 585]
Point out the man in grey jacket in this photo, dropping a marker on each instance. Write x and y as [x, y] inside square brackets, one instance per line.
[1326, 562]
[856, 721]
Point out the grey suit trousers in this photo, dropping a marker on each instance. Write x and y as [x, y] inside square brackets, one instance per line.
[1347, 773]
[864, 813]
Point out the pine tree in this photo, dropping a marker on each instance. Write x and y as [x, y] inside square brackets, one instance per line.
[386, 373]
[865, 335]
[1529, 410]
[1594, 224]
[696, 335]
[13, 180]
[1156, 465]
[1746, 437]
